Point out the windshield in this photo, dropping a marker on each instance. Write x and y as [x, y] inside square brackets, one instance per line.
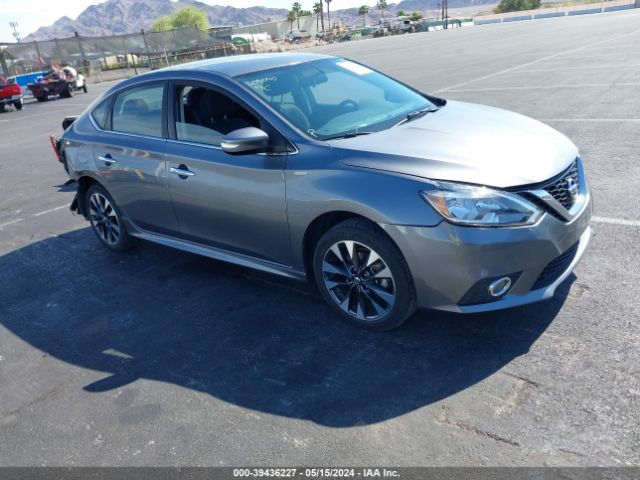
[331, 98]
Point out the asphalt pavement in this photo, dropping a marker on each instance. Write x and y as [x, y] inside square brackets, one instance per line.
[158, 357]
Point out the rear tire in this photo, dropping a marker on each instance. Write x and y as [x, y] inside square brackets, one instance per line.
[106, 219]
[84, 88]
[42, 98]
[363, 276]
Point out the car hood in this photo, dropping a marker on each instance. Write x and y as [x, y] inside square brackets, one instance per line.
[464, 142]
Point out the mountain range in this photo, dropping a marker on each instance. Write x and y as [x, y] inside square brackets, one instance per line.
[114, 17]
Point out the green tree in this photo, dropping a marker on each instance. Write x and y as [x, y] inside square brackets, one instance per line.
[162, 24]
[328, 15]
[317, 9]
[517, 5]
[291, 17]
[400, 13]
[363, 10]
[415, 16]
[184, 17]
[296, 8]
[190, 16]
[381, 5]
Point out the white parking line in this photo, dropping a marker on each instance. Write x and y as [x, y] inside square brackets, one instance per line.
[616, 221]
[50, 210]
[589, 119]
[2, 225]
[534, 62]
[545, 87]
[581, 67]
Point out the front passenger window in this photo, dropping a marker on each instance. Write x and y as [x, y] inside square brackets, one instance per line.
[204, 115]
[139, 110]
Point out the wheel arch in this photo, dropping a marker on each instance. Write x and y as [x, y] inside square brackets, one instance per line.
[320, 225]
[84, 183]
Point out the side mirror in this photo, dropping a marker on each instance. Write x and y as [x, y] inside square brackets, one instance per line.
[244, 140]
[68, 121]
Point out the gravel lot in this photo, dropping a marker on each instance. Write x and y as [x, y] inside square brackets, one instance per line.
[158, 357]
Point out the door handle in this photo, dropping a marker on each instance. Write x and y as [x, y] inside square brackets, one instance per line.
[107, 160]
[182, 172]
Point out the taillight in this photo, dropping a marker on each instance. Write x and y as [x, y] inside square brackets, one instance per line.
[54, 145]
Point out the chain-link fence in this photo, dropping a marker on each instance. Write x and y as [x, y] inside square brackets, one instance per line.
[97, 55]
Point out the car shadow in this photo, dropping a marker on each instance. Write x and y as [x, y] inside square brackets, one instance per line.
[247, 338]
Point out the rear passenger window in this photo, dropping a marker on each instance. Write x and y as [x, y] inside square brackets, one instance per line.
[99, 113]
[139, 110]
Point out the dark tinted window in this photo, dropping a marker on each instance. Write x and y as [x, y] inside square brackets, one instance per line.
[204, 115]
[99, 113]
[139, 110]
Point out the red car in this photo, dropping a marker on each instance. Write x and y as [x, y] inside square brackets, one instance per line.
[10, 94]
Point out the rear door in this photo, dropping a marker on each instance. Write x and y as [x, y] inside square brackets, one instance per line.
[129, 155]
[235, 202]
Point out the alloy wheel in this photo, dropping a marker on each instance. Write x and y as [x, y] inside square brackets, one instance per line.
[104, 218]
[359, 280]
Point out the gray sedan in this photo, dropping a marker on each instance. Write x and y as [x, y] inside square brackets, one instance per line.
[316, 167]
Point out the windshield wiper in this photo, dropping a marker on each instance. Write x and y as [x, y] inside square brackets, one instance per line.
[347, 135]
[417, 114]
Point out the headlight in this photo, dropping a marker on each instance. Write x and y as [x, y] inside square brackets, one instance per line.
[480, 206]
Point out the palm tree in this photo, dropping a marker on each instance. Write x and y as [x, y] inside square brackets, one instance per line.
[328, 16]
[291, 16]
[363, 10]
[381, 5]
[296, 8]
[319, 10]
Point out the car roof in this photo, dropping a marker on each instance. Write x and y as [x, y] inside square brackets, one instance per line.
[236, 65]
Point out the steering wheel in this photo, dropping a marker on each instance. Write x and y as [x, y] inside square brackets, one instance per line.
[349, 105]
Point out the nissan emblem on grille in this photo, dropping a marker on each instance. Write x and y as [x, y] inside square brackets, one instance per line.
[572, 188]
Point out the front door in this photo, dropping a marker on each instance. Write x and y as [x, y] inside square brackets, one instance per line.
[235, 202]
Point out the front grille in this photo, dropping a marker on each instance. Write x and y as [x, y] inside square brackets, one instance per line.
[555, 268]
[559, 189]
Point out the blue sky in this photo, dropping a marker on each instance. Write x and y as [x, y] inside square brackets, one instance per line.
[31, 14]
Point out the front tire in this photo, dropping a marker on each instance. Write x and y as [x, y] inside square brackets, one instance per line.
[18, 104]
[106, 219]
[363, 276]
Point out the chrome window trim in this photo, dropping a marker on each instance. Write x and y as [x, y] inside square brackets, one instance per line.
[138, 135]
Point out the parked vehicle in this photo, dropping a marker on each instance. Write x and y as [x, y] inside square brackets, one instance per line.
[58, 82]
[10, 93]
[296, 36]
[75, 79]
[311, 166]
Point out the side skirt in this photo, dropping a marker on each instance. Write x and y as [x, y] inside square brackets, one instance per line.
[217, 253]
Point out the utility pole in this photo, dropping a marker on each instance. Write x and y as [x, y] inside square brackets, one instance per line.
[3, 63]
[445, 14]
[15, 33]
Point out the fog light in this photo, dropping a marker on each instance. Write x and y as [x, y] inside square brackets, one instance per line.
[499, 287]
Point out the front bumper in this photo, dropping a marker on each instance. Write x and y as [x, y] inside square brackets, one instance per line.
[447, 260]
[10, 100]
